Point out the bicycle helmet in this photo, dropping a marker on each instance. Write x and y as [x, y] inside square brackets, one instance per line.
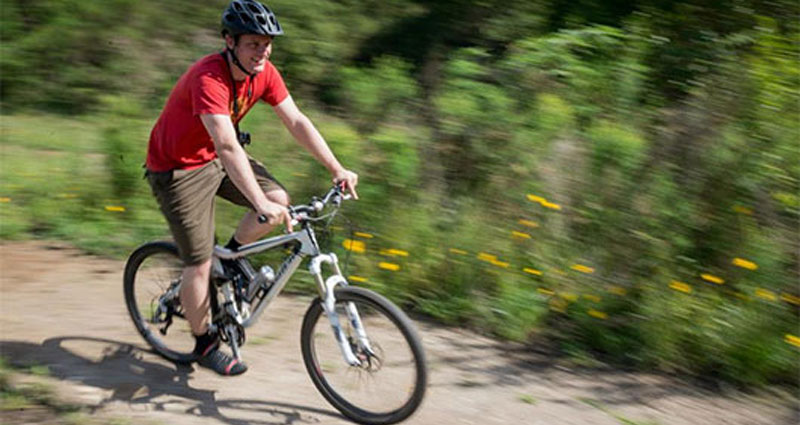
[249, 17]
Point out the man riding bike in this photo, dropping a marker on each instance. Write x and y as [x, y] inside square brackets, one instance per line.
[194, 153]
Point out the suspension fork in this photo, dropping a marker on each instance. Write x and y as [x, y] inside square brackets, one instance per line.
[326, 290]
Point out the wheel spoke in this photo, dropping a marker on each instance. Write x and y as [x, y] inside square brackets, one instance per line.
[152, 272]
[389, 384]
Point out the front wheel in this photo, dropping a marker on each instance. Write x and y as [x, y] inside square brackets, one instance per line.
[152, 281]
[390, 383]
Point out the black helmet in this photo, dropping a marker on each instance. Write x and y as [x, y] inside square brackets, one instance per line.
[249, 17]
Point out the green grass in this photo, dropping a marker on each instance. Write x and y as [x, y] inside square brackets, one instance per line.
[41, 395]
[622, 419]
[261, 340]
[528, 399]
[59, 176]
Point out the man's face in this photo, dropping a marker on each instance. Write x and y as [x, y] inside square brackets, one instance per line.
[253, 51]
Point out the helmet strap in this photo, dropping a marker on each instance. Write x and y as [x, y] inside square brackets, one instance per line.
[238, 64]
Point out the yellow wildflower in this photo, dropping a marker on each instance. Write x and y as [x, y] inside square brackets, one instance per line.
[597, 314]
[355, 246]
[680, 286]
[551, 205]
[713, 279]
[486, 257]
[789, 298]
[583, 269]
[741, 262]
[499, 263]
[534, 198]
[618, 290]
[559, 305]
[389, 266]
[791, 339]
[592, 298]
[569, 296]
[532, 271]
[765, 294]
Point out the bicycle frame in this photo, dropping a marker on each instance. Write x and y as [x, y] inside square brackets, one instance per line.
[308, 248]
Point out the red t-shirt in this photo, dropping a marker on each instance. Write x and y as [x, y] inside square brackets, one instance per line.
[179, 139]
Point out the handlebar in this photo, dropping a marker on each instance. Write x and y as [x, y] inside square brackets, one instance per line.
[300, 213]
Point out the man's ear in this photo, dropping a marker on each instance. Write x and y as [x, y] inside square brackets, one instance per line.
[230, 42]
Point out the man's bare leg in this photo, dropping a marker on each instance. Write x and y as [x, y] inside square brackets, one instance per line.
[197, 305]
[194, 296]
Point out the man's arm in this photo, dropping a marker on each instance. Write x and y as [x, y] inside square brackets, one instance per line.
[307, 136]
[238, 168]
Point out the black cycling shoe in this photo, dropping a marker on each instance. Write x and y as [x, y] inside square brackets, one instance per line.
[221, 363]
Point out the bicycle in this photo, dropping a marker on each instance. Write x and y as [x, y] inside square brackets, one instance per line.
[367, 340]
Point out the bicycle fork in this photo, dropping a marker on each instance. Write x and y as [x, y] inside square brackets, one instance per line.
[326, 289]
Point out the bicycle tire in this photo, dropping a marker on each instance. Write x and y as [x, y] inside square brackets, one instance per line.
[372, 302]
[178, 344]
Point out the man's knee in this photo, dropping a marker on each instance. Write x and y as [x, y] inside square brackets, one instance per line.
[197, 272]
[279, 197]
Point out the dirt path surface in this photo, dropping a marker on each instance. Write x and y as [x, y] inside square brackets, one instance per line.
[66, 310]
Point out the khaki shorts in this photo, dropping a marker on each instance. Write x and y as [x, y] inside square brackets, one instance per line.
[186, 198]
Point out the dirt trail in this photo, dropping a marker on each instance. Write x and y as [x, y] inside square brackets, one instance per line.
[66, 310]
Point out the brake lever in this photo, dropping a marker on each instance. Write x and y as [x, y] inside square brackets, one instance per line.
[298, 218]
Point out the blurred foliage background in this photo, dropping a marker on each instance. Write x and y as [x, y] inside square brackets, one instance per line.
[615, 179]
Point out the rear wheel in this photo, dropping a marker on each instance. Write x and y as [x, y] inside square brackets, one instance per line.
[390, 383]
[152, 283]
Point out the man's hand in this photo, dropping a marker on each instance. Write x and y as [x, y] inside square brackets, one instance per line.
[349, 178]
[276, 214]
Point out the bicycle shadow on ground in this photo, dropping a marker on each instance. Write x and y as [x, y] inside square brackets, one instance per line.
[122, 369]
